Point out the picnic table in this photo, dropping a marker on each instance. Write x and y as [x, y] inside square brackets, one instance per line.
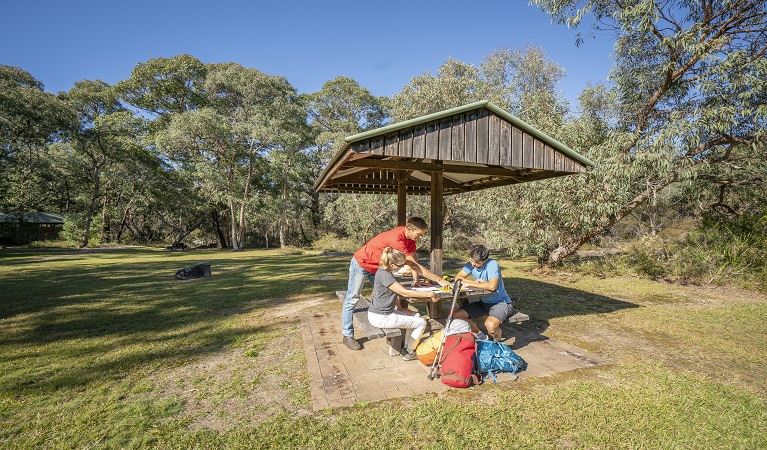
[434, 309]
[394, 336]
[176, 246]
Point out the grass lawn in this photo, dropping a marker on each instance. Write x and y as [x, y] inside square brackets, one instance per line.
[105, 349]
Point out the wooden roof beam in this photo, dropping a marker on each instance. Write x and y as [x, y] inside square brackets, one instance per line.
[431, 167]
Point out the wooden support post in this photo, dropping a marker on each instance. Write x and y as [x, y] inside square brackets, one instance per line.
[437, 202]
[401, 200]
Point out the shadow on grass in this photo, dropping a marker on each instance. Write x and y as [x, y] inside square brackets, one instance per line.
[69, 321]
[545, 301]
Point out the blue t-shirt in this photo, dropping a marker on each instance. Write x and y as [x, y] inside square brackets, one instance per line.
[490, 270]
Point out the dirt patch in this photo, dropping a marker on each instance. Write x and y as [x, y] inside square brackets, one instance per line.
[718, 295]
[258, 378]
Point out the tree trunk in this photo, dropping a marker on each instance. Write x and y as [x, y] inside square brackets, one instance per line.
[315, 211]
[90, 209]
[568, 248]
[124, 220]
[219, 231]
[103, 233]
[236, 232]
[183, 234]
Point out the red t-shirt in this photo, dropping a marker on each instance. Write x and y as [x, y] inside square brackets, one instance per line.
[369, 256]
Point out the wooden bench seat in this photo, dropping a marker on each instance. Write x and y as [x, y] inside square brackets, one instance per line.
[394, 336]
[517, 317]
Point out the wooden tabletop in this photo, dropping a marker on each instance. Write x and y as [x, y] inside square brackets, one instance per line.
[466, 292]
[434, 309]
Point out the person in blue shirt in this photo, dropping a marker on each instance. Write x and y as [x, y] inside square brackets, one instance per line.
[486, 274]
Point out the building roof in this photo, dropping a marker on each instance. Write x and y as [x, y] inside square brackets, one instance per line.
[33, 217]
[475, 146]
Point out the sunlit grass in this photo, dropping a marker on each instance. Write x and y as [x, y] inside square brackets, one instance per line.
[108, 350]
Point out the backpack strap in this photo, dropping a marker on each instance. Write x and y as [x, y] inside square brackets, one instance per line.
[471, 380]
[475, 375]
[445, 353]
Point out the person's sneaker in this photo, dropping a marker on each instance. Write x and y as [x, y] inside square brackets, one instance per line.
[351, 343]
[409, 356]
[481, 336]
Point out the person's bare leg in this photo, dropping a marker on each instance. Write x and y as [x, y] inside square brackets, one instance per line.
[493, 326]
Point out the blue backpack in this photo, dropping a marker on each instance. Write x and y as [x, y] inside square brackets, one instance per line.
[495, 357]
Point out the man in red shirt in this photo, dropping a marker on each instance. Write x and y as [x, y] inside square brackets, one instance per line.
[365, 262]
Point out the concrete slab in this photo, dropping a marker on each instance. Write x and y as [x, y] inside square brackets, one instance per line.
[342, 377]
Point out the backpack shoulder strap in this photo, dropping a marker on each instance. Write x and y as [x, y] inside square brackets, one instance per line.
[452, 347]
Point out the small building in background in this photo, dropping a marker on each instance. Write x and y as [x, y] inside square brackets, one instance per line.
[33, 226]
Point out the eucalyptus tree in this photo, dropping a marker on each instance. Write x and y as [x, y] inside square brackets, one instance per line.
[341, 108]
[162, 88]
[166, 86]
[456, 83]
[533, 218]
[222, 145]
[289, 204]
[108, 135]
[30, 119]
[690, 84]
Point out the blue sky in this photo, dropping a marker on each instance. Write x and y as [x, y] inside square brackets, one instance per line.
[382, 45]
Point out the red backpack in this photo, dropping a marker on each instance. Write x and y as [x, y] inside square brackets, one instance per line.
[456, 368]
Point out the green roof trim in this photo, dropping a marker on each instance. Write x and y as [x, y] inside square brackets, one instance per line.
[33, 217]
[519, 123]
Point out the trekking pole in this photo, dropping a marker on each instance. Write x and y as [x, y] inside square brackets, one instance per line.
[435, 364]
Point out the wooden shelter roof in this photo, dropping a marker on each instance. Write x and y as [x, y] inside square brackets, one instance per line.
[475, 146]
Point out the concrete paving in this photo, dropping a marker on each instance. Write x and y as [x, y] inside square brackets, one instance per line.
[342, 377]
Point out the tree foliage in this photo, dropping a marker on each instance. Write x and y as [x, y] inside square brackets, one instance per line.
[108, 135]
[343, 108]
[689, 88]
[222, 145]
[30, 120]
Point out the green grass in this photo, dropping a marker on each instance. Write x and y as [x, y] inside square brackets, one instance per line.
[108, 350]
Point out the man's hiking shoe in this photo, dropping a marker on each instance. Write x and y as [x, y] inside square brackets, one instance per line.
[351, 343]
[409, 356]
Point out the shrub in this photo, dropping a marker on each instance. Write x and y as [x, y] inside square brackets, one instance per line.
[721, 255]
[651, 256]
[52, 244]
[331, 242]
[725, 250]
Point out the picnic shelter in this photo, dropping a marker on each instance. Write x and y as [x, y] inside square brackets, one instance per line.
[468, 148]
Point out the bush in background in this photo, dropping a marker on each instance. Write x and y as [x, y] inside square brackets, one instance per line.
[719, 251]
[52, 244]
[331, 242]
[731, 249]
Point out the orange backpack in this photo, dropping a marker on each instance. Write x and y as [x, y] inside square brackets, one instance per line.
[427, 349]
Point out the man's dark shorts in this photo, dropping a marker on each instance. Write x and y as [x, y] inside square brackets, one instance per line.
[498, 310]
